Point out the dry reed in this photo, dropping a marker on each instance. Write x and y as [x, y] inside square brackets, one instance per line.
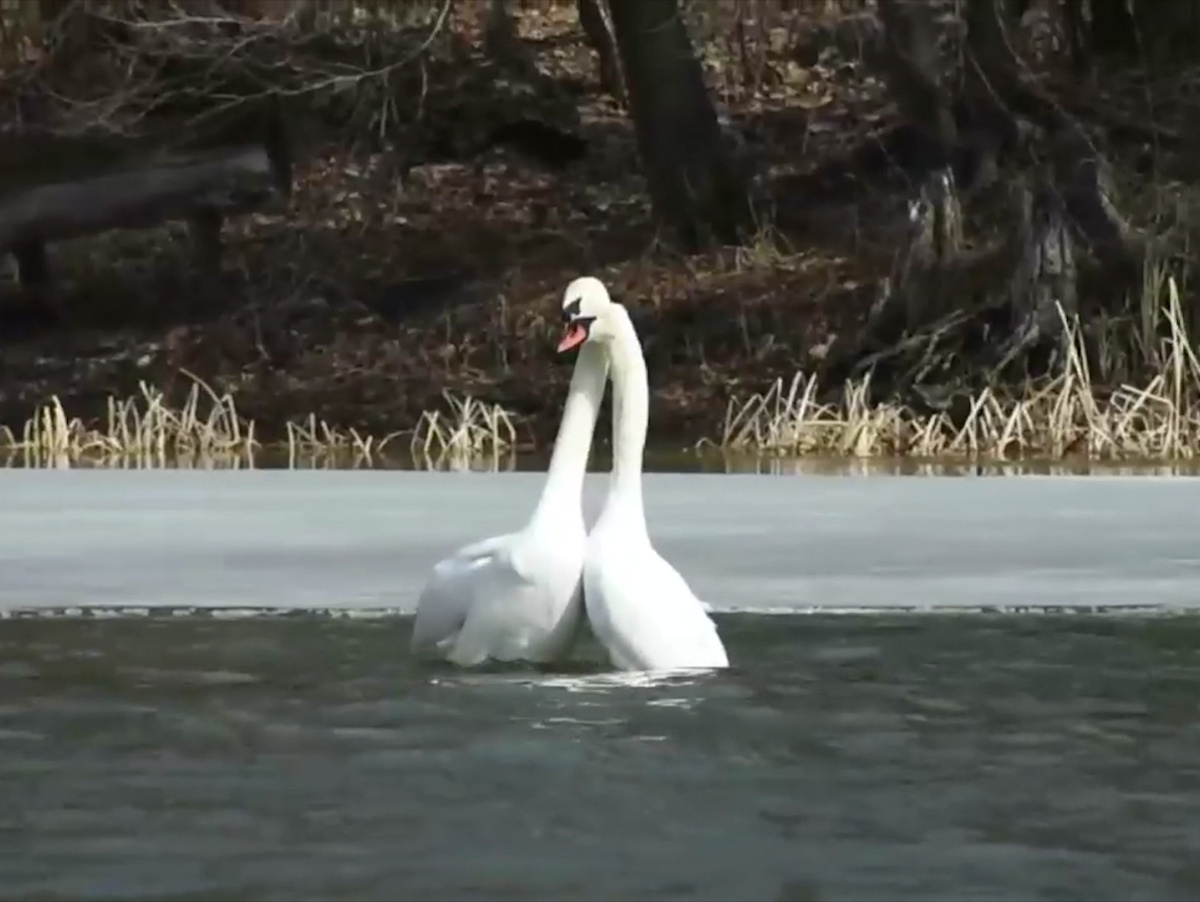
[1066, 415]
[472, 433]
[146, 431]
[1069, 415]
[314, 441]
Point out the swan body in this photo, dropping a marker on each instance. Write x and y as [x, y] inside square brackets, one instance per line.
[639, 606]
[517, 597]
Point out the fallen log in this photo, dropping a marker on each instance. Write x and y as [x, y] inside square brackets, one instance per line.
[199, 187]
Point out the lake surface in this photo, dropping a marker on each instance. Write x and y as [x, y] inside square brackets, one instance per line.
[366, 540]
[232, 742]
[940, 757]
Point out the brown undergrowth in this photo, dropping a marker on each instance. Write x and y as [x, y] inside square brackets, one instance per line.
[313, 319]
[297, 325]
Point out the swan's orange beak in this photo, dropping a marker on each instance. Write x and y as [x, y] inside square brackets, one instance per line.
[573, 337]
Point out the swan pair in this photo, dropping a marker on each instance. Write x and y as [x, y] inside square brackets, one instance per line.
[523, 596]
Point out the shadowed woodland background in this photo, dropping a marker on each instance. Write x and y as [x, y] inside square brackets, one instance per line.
[386, 199]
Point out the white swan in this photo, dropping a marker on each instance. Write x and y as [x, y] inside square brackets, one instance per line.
[517, 596]
[639, 606]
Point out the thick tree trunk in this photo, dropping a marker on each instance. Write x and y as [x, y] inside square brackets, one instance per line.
[694, 180]
[599, 33]
[1163, 32]
[997, 82]
[910, 55]
[950, 313]
[1113, 32]
[502, 43]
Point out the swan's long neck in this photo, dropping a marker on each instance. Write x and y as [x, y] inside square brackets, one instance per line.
[568, 462]
[631, 414]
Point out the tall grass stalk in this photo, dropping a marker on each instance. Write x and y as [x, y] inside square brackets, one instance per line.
[143, 429]
[146, 431]
[1067, 415]
[472, 433]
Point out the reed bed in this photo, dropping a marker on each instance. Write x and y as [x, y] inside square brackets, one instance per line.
[144, 430]
[1064, 416]
[1092, 410]
[314, 441]
[472, 433]
[206, 431]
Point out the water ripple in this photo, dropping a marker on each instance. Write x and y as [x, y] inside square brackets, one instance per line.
[842, 758]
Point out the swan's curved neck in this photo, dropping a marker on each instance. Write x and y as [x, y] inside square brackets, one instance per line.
[631, 413]
[568, 462]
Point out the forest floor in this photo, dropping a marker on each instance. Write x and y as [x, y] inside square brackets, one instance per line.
[311, 313]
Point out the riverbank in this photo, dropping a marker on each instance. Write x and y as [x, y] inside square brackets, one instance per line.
[377, 292]
[1067, 417]
[350, 317]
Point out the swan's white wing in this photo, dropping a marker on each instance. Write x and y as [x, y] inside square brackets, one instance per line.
[447, 598]
[509, 599]
[532, 608]
[643, 611]
[498, 617]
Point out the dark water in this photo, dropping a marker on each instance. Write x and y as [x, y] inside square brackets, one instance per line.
[946, 757]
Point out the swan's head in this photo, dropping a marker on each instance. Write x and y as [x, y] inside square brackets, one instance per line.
[587, 312]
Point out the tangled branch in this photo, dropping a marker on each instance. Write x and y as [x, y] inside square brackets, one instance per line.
[143, 67]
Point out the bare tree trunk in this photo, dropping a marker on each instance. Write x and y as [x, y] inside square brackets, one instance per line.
[1166, 33]
[694, 181]
[910, 55]
[1113, 32]
[501, 42]
[950, 312]
[599, 33]
[997, 79]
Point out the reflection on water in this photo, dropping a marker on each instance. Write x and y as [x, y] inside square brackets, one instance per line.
[939, 758]
[584, 682]
[657, 460]
[907, 467]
